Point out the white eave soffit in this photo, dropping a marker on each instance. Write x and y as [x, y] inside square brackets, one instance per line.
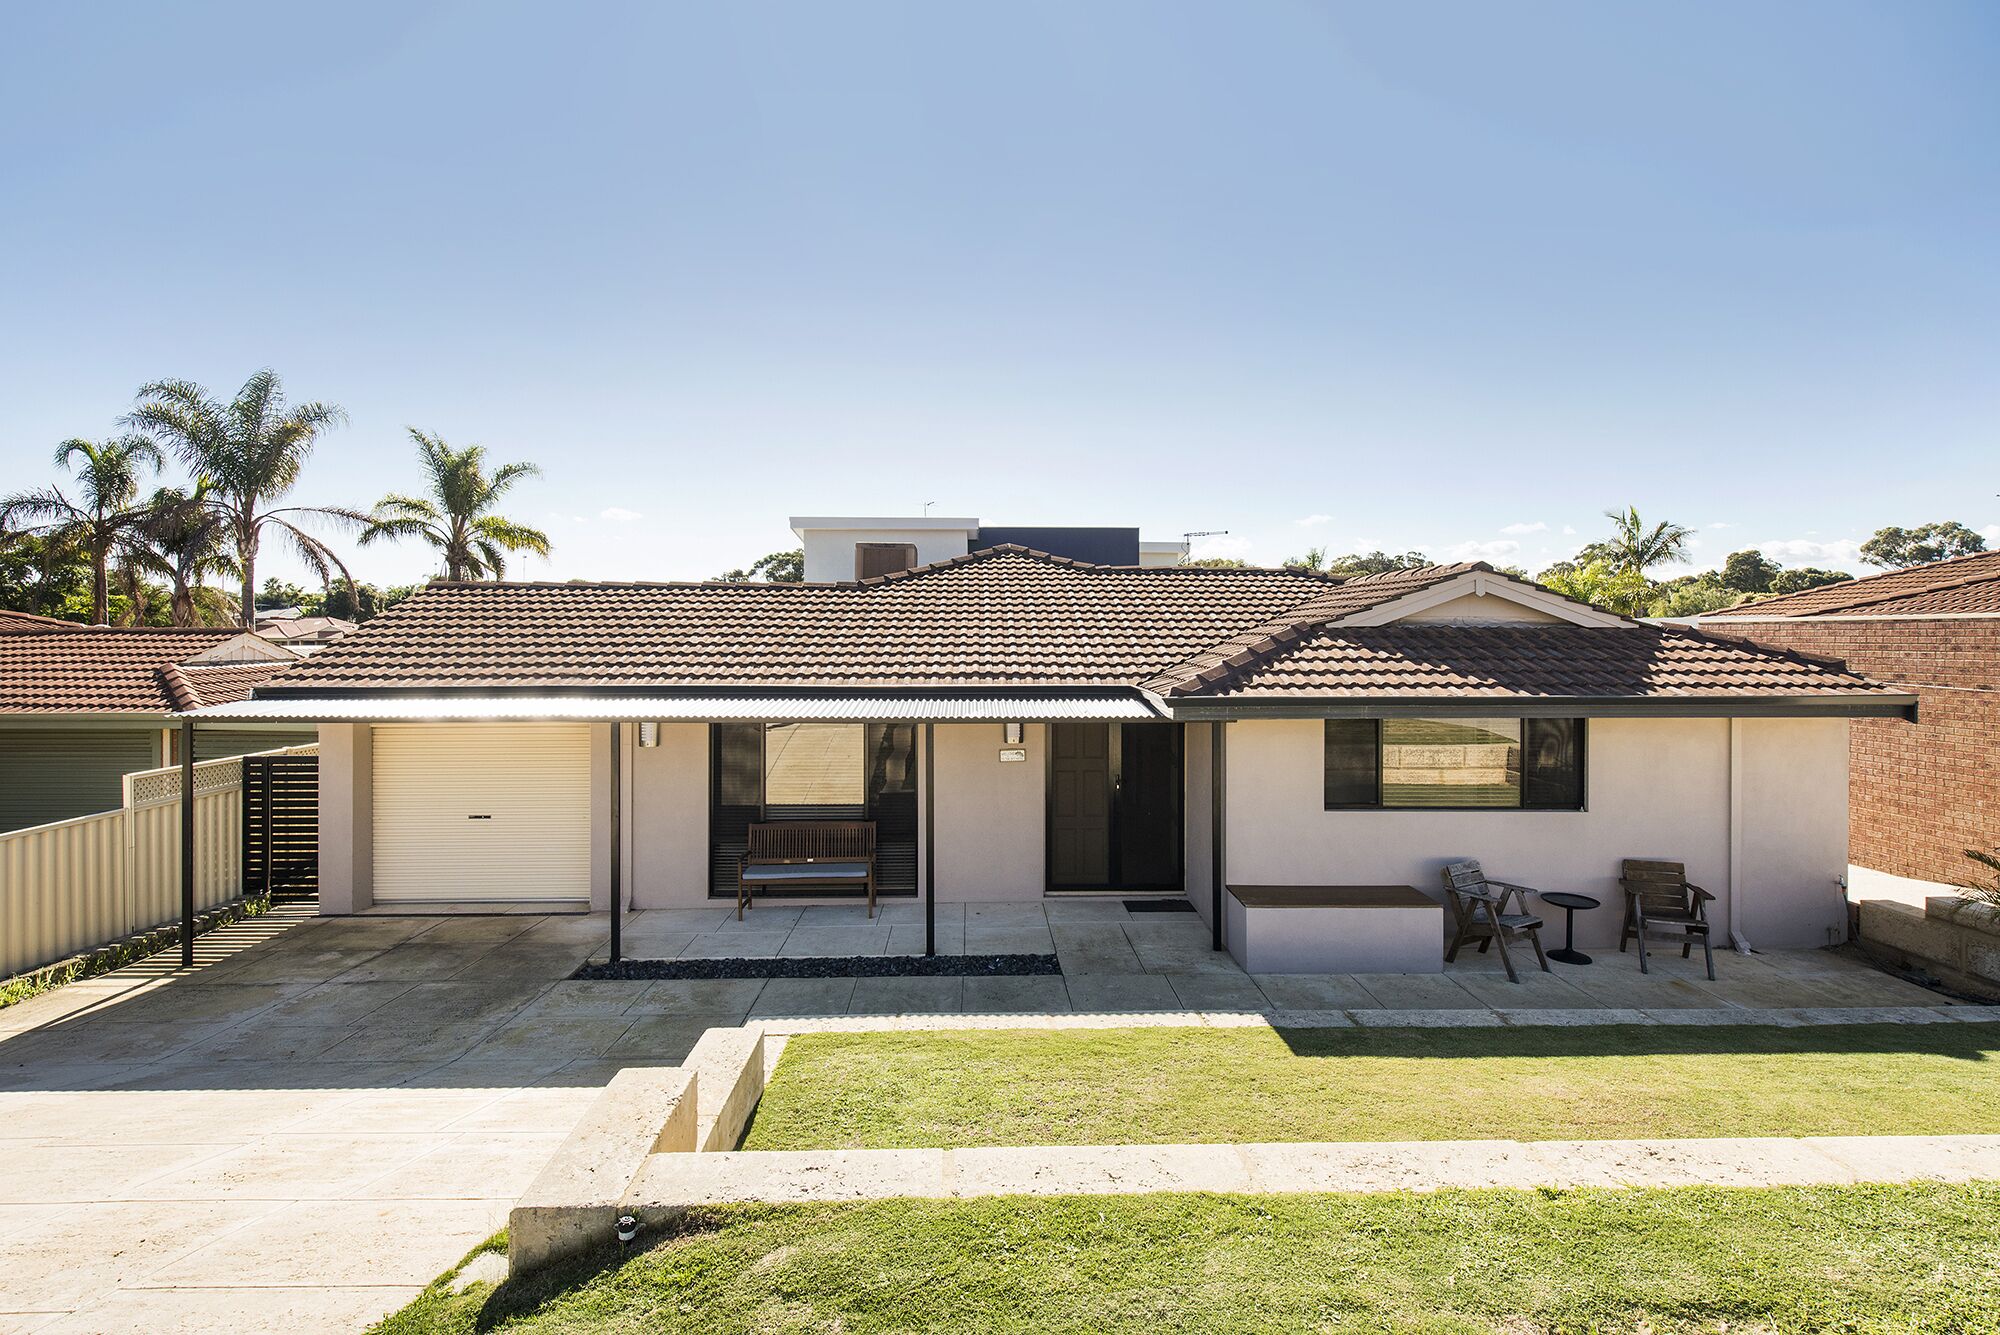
[1481, 584]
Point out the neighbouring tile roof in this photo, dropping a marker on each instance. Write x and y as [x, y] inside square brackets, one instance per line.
[103, 669]
[284, 630]
[15, 623]
[1962, 586]
[1452, 662]
[195, 685]
[1012, 618]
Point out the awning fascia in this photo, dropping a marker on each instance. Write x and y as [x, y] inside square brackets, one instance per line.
[857, 706]
[1873, 705]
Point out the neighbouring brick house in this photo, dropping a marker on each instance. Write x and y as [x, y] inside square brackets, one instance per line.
[1923, 791]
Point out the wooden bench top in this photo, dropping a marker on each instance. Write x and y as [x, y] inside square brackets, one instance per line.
[1332, 897]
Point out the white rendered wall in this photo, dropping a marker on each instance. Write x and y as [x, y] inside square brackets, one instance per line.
[1655, 789]
[992, 824]
[346, 818]
[666, 825]
[830, 551]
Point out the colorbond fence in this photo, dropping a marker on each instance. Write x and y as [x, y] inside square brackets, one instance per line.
[78, 884]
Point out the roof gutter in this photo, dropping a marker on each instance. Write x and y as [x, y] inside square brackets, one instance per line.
[1884, 704]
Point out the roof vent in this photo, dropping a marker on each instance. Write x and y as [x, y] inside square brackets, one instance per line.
[883, 558]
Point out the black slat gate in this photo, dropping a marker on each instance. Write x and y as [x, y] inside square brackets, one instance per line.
[281, 826]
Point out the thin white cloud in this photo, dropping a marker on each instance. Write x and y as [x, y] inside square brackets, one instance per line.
[1719, 524]
[618, 514]
[1569, 530]
[1839, 553]
[1519, 530]
[1992, 535]
[1221, 545]
[1313, 521]
[1482, 551]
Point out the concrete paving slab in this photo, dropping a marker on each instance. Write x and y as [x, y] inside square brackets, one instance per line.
[804, 996]
[905, 996]
[909, 939]
[574, 996]
[435, 1041]
[368, 1243]
[94, 1246]
[1417, 991]
[283, 1167]
[1217, 991]
[768, 916]
[999, 938]
[335, 1004]
[577, 1034]
[1534, 990]
[1083, 949]
[734, 945]
[1913, 1158]
[1313, 991]
[661, 1037]
[1760, 1161]
[1024, 994]
[480, 1165]
[203, 1311]
[699, 996]
[812, 941]
[46, 1172]
[679, 920]
[1102, 992]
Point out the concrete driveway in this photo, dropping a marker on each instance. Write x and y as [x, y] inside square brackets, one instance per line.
[305, 1130]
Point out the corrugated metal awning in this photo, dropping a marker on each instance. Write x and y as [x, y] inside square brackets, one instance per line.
[859, 706]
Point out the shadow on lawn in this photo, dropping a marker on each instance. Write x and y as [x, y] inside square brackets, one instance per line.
[1966, 1042]
[516, 1298]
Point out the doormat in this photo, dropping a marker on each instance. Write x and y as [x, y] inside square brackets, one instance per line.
[1158, 906]
[827, 966]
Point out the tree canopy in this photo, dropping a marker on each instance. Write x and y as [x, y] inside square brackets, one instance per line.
[775, 568]
[1896, 548]
[456, 517]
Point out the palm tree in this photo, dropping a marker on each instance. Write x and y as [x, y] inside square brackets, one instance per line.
[1635, 547]
[100, 523]
[455, 517]
[249, 452]
[189, 542]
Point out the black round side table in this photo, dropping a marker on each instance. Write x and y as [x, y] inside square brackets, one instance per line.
[1569, 904]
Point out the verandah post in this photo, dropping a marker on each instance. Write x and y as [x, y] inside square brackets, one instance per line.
[187, 843]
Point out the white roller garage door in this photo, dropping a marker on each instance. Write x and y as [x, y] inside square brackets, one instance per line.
[473, 811]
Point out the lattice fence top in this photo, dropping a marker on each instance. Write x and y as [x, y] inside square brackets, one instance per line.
[151, 787]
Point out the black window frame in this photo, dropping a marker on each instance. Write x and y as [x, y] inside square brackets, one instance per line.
[1327, 732]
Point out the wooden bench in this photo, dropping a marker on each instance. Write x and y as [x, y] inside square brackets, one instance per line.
[807, 852]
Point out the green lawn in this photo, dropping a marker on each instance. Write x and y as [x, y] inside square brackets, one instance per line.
[1850, 1259]
[1167, 1086]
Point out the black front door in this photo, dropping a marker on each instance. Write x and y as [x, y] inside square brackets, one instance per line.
[1114, 806]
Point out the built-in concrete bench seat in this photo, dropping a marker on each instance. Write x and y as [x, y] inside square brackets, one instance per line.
[1334, 929]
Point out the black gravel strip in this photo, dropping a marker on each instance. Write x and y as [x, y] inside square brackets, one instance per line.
[830, 966]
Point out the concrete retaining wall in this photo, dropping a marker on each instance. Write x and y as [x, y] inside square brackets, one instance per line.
[1954, 940]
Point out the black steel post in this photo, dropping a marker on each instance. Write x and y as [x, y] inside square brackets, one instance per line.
[269, 859]
[930, 838]
[617, 843]
[187, 843]
[1217, 751]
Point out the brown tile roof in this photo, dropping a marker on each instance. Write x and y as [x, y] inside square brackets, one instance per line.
[96, 669]
[194, 685]
[1450, 662]
[1011, 618]
[1001, 616]
[18, 623]
[1962, 586]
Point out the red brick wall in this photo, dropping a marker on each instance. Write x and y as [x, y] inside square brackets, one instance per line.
[1921, 793]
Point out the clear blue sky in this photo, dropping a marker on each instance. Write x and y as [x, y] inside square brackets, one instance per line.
[1442, 276]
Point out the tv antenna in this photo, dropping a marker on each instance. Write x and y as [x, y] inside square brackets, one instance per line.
[1187, 539]
[927, 508]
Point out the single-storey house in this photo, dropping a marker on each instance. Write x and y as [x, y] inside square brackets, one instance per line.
[1923, 789]
[1019, 725]
[82, 706]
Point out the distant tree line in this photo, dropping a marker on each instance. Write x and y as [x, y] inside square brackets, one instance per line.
[1612, 572]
